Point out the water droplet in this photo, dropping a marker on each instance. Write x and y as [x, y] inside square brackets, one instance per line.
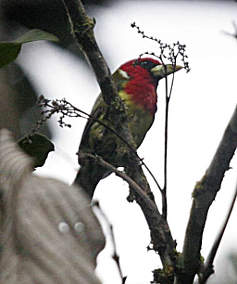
[63, 227]
[79, 227]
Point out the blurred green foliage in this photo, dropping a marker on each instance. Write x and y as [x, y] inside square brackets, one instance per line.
[18, 95]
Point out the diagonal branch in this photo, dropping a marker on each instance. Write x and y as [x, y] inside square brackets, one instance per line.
[160, 234]
[82, 29]
[204, 194]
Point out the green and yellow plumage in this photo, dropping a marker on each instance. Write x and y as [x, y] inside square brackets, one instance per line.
[136, 82]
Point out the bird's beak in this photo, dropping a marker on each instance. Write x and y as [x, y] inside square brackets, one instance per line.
[160, 71]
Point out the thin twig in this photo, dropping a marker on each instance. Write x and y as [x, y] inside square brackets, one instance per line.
[168, 93]
[235, 31]
[172, 82]
[115, 255]
[110, 167]
[208, 267]
[57, 106]
[124, 141]
[164, 191]
[168, 52]
[151, 174]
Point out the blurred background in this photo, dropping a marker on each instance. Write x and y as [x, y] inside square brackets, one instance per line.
[202, 103]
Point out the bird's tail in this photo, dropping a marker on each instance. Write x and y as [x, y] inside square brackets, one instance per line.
[89, 176]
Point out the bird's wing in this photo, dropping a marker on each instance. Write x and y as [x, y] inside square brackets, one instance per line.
[98, 110]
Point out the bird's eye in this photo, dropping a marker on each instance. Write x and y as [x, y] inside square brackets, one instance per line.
[144, 63]
[147, 64]
[141, 63]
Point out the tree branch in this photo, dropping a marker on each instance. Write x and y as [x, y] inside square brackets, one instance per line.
[160, 234]
[82, 30]
[204, 194]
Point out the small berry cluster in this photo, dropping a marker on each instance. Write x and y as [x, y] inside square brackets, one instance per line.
[166, 51]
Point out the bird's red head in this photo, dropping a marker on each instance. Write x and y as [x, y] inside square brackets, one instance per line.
[142, 84]
[143, 75]
[141, 67]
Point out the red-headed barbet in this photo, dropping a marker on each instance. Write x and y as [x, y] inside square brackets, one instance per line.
[136, 82]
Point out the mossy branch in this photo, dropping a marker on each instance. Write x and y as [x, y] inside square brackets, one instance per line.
[160, 234]
[204, 194]
[82, 30]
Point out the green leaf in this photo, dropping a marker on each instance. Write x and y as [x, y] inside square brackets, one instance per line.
[10, 50]
[38, 147]
[34, 35]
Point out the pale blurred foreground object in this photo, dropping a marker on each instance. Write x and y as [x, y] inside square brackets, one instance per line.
[49, 232]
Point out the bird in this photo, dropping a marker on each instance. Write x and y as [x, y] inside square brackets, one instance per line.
[136, 82]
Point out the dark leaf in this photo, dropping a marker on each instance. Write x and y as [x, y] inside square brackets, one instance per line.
[8, 52]
[38, 147]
